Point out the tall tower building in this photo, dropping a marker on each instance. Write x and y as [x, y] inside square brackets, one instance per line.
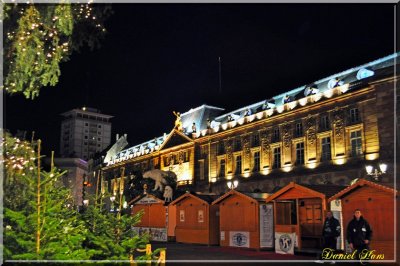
[84, 132]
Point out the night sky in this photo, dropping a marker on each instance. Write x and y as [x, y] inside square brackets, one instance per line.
[157, 58]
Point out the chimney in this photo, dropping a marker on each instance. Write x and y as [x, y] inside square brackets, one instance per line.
[117, 137]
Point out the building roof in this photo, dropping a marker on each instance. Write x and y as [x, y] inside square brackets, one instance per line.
[173, 138]
[88, 111]
[139, 150]
[361, 183]
[199, 116]
[355, 74]
[348, 80]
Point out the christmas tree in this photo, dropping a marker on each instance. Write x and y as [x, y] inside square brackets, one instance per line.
[41, 223]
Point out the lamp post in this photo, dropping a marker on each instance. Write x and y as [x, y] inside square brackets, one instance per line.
[112, 199]
[374, 172]
[232, 184]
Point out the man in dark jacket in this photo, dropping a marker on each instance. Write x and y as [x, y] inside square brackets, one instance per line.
[330, 231]
[359, 233]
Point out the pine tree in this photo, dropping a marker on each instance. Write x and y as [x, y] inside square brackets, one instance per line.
[40, 221]
[109, 234]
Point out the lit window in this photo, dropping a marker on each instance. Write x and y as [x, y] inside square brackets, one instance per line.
[355, 143]
[276, 135]
[299, 129]
[325, 149]
[238, 144]
[255, 140]
[277, 158]
[256, 157]
[221, 168]
[221, 148]
[300, 153]
[354, 115]
[238, 169]
[201, 170]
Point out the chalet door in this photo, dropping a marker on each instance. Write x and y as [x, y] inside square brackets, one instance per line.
[311, 220]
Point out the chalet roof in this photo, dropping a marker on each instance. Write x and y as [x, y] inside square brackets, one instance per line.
[361, 183]
[138, 198]
[260, 197]
[206, 198]
[321, 191]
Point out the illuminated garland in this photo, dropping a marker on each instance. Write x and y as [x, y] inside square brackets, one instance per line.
[39, 37]
[18, 156]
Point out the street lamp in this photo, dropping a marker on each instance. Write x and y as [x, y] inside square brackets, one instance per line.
[112, 199]
[232, 184]
[374, 172]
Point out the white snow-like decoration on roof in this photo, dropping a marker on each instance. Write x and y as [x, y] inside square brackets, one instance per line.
[138, 150]
[364, 73]
[334, 83]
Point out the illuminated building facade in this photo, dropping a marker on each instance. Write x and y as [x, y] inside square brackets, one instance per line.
[320, 133]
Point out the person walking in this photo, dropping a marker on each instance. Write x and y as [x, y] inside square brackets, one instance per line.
[359, 233]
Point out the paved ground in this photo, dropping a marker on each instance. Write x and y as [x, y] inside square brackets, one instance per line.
[178, 253]
[193, 254]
